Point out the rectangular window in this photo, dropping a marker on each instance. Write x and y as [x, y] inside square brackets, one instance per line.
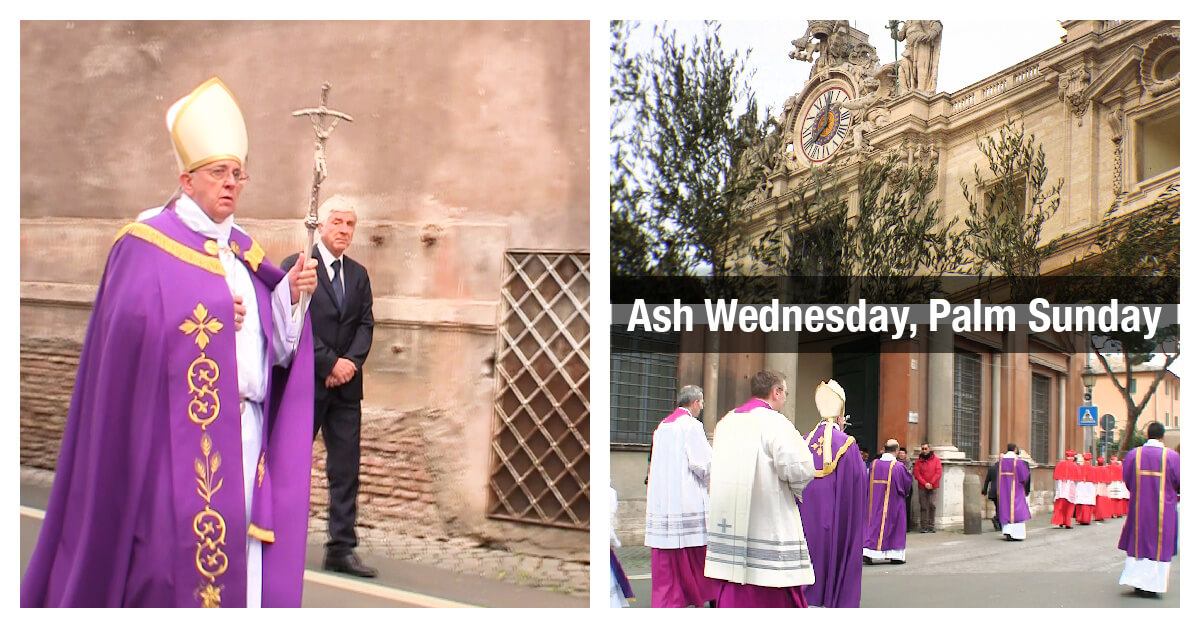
[1158, 145]
[968, 378]
[1133, 386]
[644, 376]
[1039, 446]
[1006, 199]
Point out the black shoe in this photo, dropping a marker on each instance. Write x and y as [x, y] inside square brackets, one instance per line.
[1145, 593]
[897, 561]
[349, 563]
[867, 560]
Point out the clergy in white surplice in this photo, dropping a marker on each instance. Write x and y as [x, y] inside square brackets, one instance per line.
[761, 464]
[677, 506]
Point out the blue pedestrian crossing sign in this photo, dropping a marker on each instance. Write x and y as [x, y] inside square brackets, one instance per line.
[1087, 415]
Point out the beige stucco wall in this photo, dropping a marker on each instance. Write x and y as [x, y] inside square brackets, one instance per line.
[469, 139]
[1163, 405]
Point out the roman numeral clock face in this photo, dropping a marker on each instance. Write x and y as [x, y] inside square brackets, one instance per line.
[825, 126]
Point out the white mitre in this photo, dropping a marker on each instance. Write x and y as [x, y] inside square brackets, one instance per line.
[207, 126]
[831, 402]
[831, 399]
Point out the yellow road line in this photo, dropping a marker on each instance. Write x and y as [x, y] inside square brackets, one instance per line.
[339, 582]
[380, 591]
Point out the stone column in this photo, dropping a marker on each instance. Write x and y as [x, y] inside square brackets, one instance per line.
[996, 368]
[940, 412]
[781, 356]
[711, 373]
[1062, 416]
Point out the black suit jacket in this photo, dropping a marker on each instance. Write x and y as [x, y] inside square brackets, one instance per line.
[989, 482]
[344, 333]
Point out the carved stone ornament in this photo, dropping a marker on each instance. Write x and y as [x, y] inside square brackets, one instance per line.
[1116, 121]
[1071, 88]
[1160, 64]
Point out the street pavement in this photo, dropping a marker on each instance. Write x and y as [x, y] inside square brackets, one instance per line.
[1051, 568]
[400, 583]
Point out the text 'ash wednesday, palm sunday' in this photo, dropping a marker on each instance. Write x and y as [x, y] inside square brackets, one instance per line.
[1039, 315]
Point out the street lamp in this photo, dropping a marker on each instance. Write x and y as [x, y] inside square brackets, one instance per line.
[1089, 380]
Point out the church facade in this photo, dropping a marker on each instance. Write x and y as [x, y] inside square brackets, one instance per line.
[1103, 105]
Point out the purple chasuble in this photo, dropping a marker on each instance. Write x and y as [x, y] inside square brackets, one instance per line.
[888, 485]
[834, 511]
[1151, 526]
[147, 507]
[1010, 491]
[618, 573]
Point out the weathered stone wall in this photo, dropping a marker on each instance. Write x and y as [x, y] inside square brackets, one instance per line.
[469, 139]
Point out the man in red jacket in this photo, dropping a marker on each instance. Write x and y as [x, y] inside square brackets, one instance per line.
[927, 472]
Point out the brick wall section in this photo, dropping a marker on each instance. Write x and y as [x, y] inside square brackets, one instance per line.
[396, 492]
[48, 369]
[397, 488]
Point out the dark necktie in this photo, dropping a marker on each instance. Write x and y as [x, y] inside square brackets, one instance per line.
[338, 290]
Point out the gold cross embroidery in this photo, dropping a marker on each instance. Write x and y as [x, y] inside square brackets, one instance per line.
[201, 325]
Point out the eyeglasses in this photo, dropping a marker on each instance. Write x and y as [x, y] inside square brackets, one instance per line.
[219, 173]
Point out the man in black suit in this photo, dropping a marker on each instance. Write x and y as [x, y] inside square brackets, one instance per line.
[989, 489]
[342, 327]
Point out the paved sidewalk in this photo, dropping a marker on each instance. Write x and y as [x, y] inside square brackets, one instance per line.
[635, 559]
[457, 555]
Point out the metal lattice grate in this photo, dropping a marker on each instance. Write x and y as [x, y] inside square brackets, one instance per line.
[1039, 436]
[968, 379]
[643, 387]
[540, 443]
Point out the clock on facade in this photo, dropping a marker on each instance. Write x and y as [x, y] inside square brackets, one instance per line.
[824, 126]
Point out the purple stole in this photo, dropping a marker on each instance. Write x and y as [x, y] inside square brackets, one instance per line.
[679, 412]
[754, 402]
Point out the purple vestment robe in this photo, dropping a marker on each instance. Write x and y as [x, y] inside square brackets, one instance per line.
[1010, 491]
[147, 507]
[834, 511]
[889, 485]
[1151, 527]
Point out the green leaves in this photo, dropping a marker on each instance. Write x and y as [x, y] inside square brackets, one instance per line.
[675, 146]
[1008, 209]
[893, 248]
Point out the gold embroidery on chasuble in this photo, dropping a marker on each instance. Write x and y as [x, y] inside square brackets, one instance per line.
[887, 495]
[179, 251]
[255, 255]
[203, 409]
